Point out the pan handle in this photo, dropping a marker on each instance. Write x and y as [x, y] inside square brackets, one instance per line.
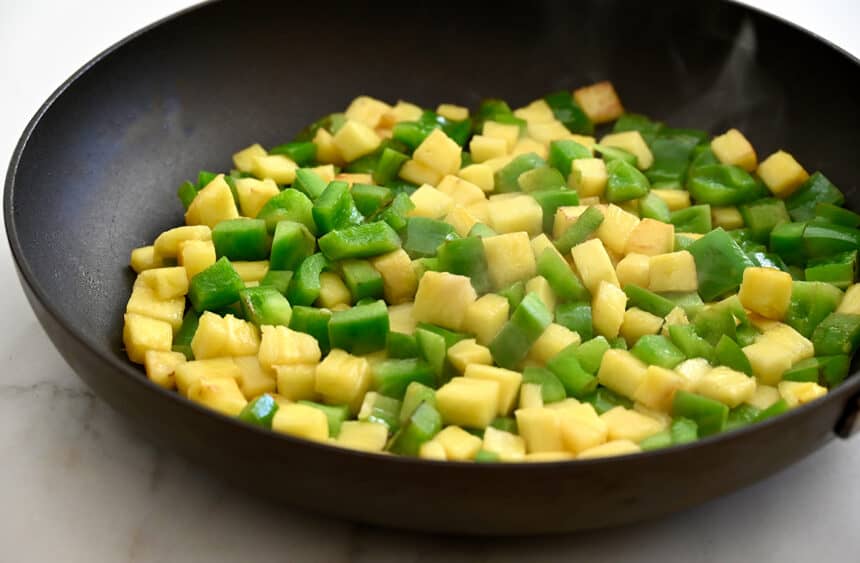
[849, 422]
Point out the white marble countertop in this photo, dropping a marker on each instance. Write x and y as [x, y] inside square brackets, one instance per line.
[76, 484]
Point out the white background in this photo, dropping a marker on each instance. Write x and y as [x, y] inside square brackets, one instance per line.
[77, 485]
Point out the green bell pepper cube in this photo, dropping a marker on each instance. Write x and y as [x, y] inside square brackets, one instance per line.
[303, 153]
[566, 110]
[742, 415]
[392, 377]
[658, 441]
[574, 379]
[506, 179]
[364, 164]
[576, 317]
[330, 122]
[360, 330]
[279, 279]
[720, 264]
[305, 285]
[775, 409]
[334, 209]
[804, 370]
[821, 239]
[389, 164]
[745, 335]
[817, 189]
[655, 349]
[526, 324]
[482, 230]
[762, 215]
[379, 409]
[811, 302]
[604, 399]
[829, 213]
[424, 423]
[401, 345]
[703, 156]
[370, 199]
[449, 336]
[359, 241]
[563, 152]
[541, 179]
[838, 333]
[550, 201]
[839, 270]
[826, 370]
[721, 184]
[422, 265]
[695, 219]
[514, 293]
[771, 260]
[335, 415]
[289, 205]
[309, 183]
[683, 242]
[701, 137]
[505, 423]
[204, 177]
[182, 338]
[313, 321]
[786, 240]
[260, 411]
[611, 154]
[691, 302]
[690, 343]
[728, 353]
[395, 213]
[647, 300]
[625, 182]
[412, 133]
[652, 207]
[291, 245]
[672, 155]
[589, 354]
[362, 279]
[709, 415]
[241, 239]
[433, 350]
[551, 388]
[637, 122]
[560, 277]
[713, 322]
[484, 456]
[215, 287]
[585, 224]
[416, 395]
[466, 257]
[424, 235]
[619, 343]
[684, 431]
[187, 192]
[265, 306]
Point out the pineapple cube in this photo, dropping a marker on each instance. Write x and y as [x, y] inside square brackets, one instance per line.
[480, 209]
[458, 444]
[326, 172]
[213, 204]
[599, 101]
[301, 421]
[195, 256]
[282, 346]
[167, 244]
[354, 178]
[676, 316]
[607, 307]
[479, 174]
[333, 291]
[509, 383]
[145, 302]
[398, 278]
[467, 352]
[766, 291]
[626, 424]
[662, 418]
[144, 258]
[187, 373]
[367, 110]
[610, 449]
[220, 394]
[566, 216]
[509, 258]
[297, 382]
[254, 194]
[439, 152]
[462, 220]
[540, 428]
[768, 361]
[364, 436]
[252, 271]
[850, 303]
[763, 396]
[593, 264]
[508, 132]
[691, 371]
[484, 148]
[531, 396]
[513, 214]
[468, 401]
[616, 228]
[536, 112]
[539, 285]
[485, 317]
[218, 336]
[548, 131]
[400, 318]
[343, 379]
[461, 191]
[798, 393]
[632, 142]
[442, 299]
[782, 174]
[797, 346]
[651, 237]
[418, 173]
[674, 271]
[726, 217]
[637, 323]
[622, 372]
[403, 111]
[432, 450]
[161, 365]
[244, 159]
[509, 447]
[430, 202]
[327, 152]
[634, 268]
[727, 386]
[588, 176]
[254, 381]
[541, 243]
[355, 139]
[674, 199]
[581, 427]
[496, 164]
[658, 387]
[453, 112]
[276, 167]
[552, 341]
[733, 148]
[167, 283]
[525, 146]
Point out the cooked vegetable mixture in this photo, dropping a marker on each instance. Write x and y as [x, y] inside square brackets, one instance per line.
[500, 285]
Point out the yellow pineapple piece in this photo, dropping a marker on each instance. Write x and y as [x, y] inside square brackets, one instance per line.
[540, 286]
[301, 421]
[658, 388]
[485, 317]
[509, 258]
[458, 444]
[361, 435]
[452, 112]
[508, 132]
[728, 218]
[479, 174]
[276, 167]
[442, 299]
[496, 164]
[161, 365]
[541, 243]
[651, 237]
[540, 429]
[439, 152]
[144, 258]
[218, 336]
[637, 323]
[367, 110]
[403, 111]
[588, 176]
[327, 152]
[398, 277]
[195, 256]
[467, 352]
[673, 271]
[548, 131]
[254, 194]
[461, 219]
[593, 264]
[400, 318]
[251, 271]
[727, 386]
[430, 202]
[485, 148]
[626, 424]
[254, 381]
[282, 346]
[622, 372]
[333, 291]
[610, 449]
[733, 148]
[244, 159]
[676, 316]
[167, 283]
[632, 142]
[168, 243]
[508, 381]
[513, 214]
[599, 101]
[220, 394]
[326, 172]
[797, 393]
[509, 447]
[536, 112]
[634, 268]
[674, 199]
[213, 204]
[782, 174]
[565, 217]
[418, 173]
[766, 291]
[432, 450]
[552, 341]
[691, 371]
[468, 401]
[480, 210]
[607, 307]
[616, 228]
[187, 373]
[531, 396]
[355, 139]
[343, 379]
[525, 146]
[461, 191]
[581, 427]
[297, 382]
[850, 303]
[763, 396]
[145, 302]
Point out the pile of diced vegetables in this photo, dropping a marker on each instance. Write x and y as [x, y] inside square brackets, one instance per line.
[500, 286]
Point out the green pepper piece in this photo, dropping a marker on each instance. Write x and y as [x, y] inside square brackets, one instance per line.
[560, 277]
[215, 287]
[291, 245]
[204, 177]
[728, 353]
[775, 409]
[822, 239]
[811, 302]
[550, 201]
[804, 370]
[424, 423]
[625, 182]
[451, 337]
[690, 343]
[589, 354]
[577, 317]
[313, 321]
[289, 205]
[652, 207]
[370, 199]
[683, 242]
[745, 335]
[389, 164]
[604, 399]
[720, 264]
[721, 184]
[484, 456]
[703, 156]
[506, 179]
[637, 122]
[690, 302]
[186, 193]
[309, 183]
[359, 241]
[742, 415]
[392, 377]
[817, 189]
[541, 179]
[585, 224]
[424, 235]
[433, 350]
[619, 343]
[362, 279]
[466, 257]
[611, 154]
[574, 379]
[695, 219]
[786, 240]
[654, 349]
[401, 345]
[182, 338]
[709, 415]
[563, 152]
[334, 209]
[481, 230]
[829, 213]
[379, 409]
[839, 270]
[527, 323]
[838, 333]
[672, 155]
[458, 131]
[684, 431]
[303, 153]
[658, 441]
[713, 322]
[279, 279]
[762, 215]
[334, 414]
[305, 285]
[566, 110]
[551, 387]
[514, 293]
[412, 133]
[647, 300]
[265, 306]
[395, 214]
[260, 411]
[331, 123]
[360, 330]
[505, 423]
[701, 137]
[416, 395]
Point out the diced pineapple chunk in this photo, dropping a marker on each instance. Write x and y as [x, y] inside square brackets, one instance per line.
[143, 258]
[276, 167]
[167, 283]
[536, 112]
[453, 112]
[398, 278]
[798, 393]
[637, 323]
[432, 450]
[297, 382]
[691, 371]
[496, 164]
[400, 318]
[468, 401]
[581, 427]
[552, 341]
[220, 394]
[418, 173]
[342, 378]
[540, 429]
[593, 264]
[531, 396]
[355, 139]
[187, 373]
[626, 424]
[726, 217]
[509, 258]
[254, 194]
[485, 148]
[733, 148]
[540, 286]
[850, 303]
[658, 388]
[161, 365]
[218, 336]
[467, 352]
[651, 237]
[333, 291]
[251, 271]
[588, 176]
[404, 111]
[367, 110]
[430, 202]
[327, 152]
[480, 209]
[244, 159]
[768, 361]
[195, 256]
[513, 214]
[525, 146]
[674, 199]
[616, 228]
[610, 449]
[361, 435]
[461, 191]
[599, 101]
[674, 271]
[634, 268]
[782, 174]
[442, 299]
[439, 152]
[485, 317]
[144, 301]
[607, 307]
[213, 204]
[622, 372]
[254, 381]
[459, 445]
[566, 216]
[632, 142]
[508, 132]
[167, 244]
[326, 172]
[479, 174]
[509, 383]
[281, 346]
[763, 396]
[766, 291]
[548, 131]
[727, 386]
[462, 220]
[302, 421]
[509, 447]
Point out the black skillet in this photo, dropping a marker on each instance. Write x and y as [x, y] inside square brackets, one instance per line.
[95, 174]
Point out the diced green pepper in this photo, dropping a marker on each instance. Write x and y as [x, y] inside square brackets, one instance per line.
[563, 152]
[786, 240]
[466, 257]
[823, 239]
[182, 338]
[575, 380]
[728, 353]
[625, 182]
[526, 324]
[566, 110]
[684, 431]
[826, 370]
[709, 415]
[545, 178]
[653, 207]
[291, 245]
[309, 183]
[305, 285]
[401, 345]
[672, 154]
[604, 399]
[424, 423]
[551, 200]
[690, 343]
[837, 334]
[260, 411]
[695, 219]
[762, 215]
[637, 122]
[505, 423]
[658, 441]
[817, 189]
[811, 302]
[589, 354]
[279, 279]
[560, 277]
[577, 317]
[389, 164]
[424, 235]
[611, 154]
[313, 321]
[392, 377]
[481, 230]
[370, 199]
[829, 213]
[552, 389]
[742, 415]
[775, 409]
[379, 409]
[395, 214]
[433, 350]
[334, 209]
[360, 330]
[839, 270]
[335, 415]
[362, 279]
[654, 349]
[187, 192]
[712, 322]
[241, 239]
[215, 287]
[690, 302]
[303, 153]
[514, 293]
[647, 300]
[484, 456]
[721, 184]
[359, 241]
[585, 224]
[720, 264]
[506, 179]
[289, 205]
[265, 306]
[416, 394]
